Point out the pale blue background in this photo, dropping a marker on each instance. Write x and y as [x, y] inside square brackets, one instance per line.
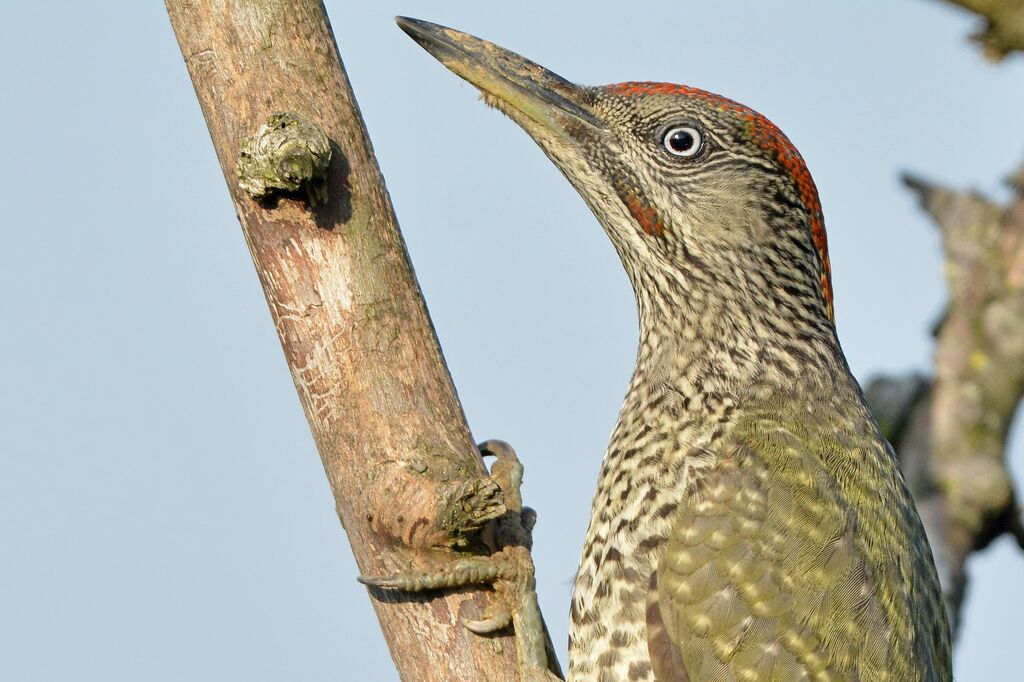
[163, 513]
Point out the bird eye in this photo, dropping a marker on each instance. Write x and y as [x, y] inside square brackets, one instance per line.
[683, 141]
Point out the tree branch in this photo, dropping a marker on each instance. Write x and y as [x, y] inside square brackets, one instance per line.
[352, 323]
[1002, 30]
[950, 432]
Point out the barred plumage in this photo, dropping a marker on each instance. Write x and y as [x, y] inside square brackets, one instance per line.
[750, 522]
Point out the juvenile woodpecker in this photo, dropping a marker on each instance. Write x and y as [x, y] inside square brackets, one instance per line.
[750, 522]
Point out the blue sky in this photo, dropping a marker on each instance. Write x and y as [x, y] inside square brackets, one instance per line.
[163, 512]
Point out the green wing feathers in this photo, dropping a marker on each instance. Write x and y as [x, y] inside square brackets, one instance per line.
[799, 556]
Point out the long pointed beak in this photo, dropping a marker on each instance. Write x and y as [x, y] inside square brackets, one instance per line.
[508, 81]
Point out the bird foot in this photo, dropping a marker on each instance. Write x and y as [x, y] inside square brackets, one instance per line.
[509, 570]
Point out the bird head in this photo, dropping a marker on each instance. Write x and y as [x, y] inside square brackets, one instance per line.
[697, 192]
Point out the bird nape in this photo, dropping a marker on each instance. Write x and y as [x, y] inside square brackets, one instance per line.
[750, 522]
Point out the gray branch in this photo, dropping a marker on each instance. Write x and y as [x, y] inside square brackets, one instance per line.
[950, 430]
[1002, 28]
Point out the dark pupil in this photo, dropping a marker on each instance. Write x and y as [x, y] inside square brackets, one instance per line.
[681, 141]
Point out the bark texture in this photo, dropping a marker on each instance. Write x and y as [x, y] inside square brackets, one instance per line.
[950, 430]
[407, 479]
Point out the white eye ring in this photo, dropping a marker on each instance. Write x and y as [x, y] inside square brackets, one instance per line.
[683, 141]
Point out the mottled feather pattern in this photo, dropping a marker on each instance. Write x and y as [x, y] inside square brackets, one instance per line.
[750, 523]
[771, 573]
[742, 432]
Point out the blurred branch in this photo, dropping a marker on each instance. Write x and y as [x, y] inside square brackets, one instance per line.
[408, 482]
[950, 431]
[1002, 31]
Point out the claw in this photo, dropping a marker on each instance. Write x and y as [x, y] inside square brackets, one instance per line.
[495, 617]
[507, 470]
[509, 570]
[461, 572]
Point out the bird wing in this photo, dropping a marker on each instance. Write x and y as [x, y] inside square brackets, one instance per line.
[769, 573]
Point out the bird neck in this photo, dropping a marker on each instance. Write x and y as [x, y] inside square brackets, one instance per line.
[722, 337]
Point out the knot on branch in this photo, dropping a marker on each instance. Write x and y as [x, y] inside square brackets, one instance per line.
[286, 154]
[425, 508]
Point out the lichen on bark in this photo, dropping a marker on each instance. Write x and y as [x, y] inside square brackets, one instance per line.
[286, 154]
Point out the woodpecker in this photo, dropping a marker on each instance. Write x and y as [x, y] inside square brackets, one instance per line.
[750, 521]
